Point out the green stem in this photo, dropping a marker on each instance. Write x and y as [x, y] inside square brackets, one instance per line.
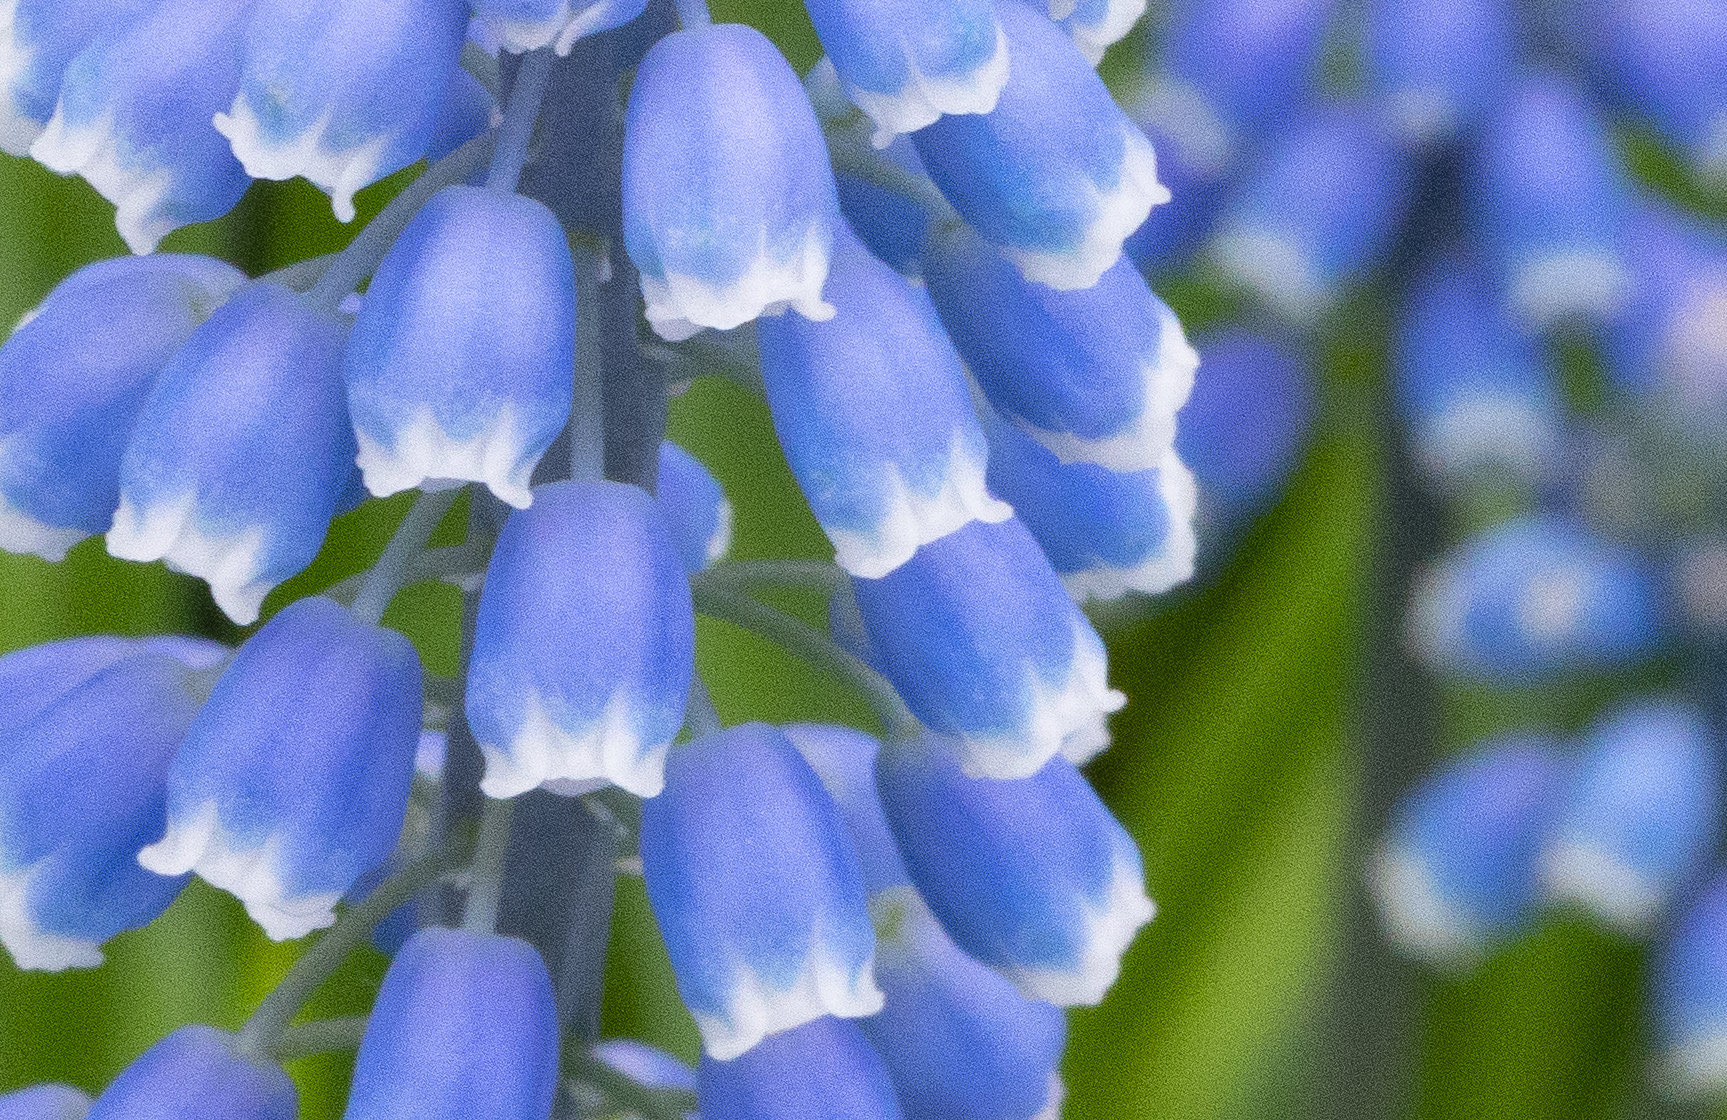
[520, 116]
[321, 1036]
[391, 570]
[486, 883]
[753, 575]
[629, 1095]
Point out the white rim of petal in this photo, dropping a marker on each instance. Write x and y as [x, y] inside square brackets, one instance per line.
[1588, 284]
[1602, 883]
[1712, 151]
[33, 948]
[1117, 213]
[22, 534]
[679, 306]
[925, 99]
[338, 173]
[1188, 119]
[1276, 269]
[1171, 565]
[755, 1010]
[199, 843]
[1422, 115]
[1095, 38]
[609, 749]
[1417, 917]
[168, 531]
[1696, 1069]
[17, 130]
[1489, 428]
[423, 455]
[720, 540]
[93, 151]
[1110, 927]
[1053, 1102]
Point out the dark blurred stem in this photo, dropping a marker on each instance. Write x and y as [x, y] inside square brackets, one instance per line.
[586, 430]
[486, 874]
[523, 111]
[321, 1036]
[393, 567]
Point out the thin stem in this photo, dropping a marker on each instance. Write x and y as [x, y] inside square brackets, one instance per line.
[405, 546]
[702, 718]
[694, 13]
[520, 116]
[751, 575]
[627, 1093]
[360, 259]
[487, 875]
[851, 154]
[321, 1036]
[301, 275]
[587, 427]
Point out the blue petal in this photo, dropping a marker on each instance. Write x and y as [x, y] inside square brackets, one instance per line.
[646, 1065]
[467, 111]
[1436, 66]
[196, 1074]
[1096, 24]
[1662, 59]
[844, 760]
[695, 508]
[38, 39]
[44, 1102]
[824, 1068]
[525, 25]
[1689, 996]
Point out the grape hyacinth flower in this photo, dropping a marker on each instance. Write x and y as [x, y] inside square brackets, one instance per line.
[1689, 996]
[843, 759]
[1096, 25]
[198, 1072]
[519, 26]
[1668, 346]
[1436, 66]
[38, 39]
[1662, 59]
[822, 1068]
[44, 1102]
[695, 508]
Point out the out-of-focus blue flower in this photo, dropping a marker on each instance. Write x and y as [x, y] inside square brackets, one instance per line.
[1476, 394]
[1032, 877]
[467, 110]
[1460, 862]
[44, 1102]
[459, 364]
[729, 206]
[1688, 994]
[1669, 345]
[196, 1074]
[757, 890]
[1435, 66]
[872, 409]
[1056, 175]
[1531, 598]
[82, 788]
[1096, 25]
[890, 224]
[1317, 211]
[984, 644]
[1641, 815]
[1663, 60]
[1549, 202]
[695, 508]
[907, 62]
[1095, 375]
[293, 781]
[241, 451]
[844, 760]
[525, 25]
[464, 1026]
[38, 38]
[134, 117]
[1243, 430]
[823, 1068]
[72, 379]
[585, 644]
[646, 1065]
[339, 92]
[959, 1040]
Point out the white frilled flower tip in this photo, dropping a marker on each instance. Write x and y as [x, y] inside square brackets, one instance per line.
[926, 97]
[1117, 211]
[1110, 925]
[425, 455]
[680, 305]
[1588, 284]
[168, 531]
[1418, 919]
[760, 1006]
[1170, 565]
[610, 751]
[32, 947]
[341, 172]
[1069, 717]
[1096, 24]
[142, 195]
[1602, 883]
[20, 533]
[912, 519]
[1277, 269]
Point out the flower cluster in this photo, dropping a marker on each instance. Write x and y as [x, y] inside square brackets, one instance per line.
[921, 248]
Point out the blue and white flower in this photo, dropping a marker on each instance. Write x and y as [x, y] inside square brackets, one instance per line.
[695, 508]
[198, 1073]
[1096, 25]
[822, 1068]
[38, 39]
[524, 25]
[44, 1102]
[1689, 997]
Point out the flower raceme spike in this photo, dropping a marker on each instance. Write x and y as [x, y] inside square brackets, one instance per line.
[585, 644]
[983, 643]
[907, 63]
[1033, 877]
[694, 507]
[341, 92]
[959, 1040]
[1640, 816]
[823, 1068]
[1689, 996]
[38, 38]
[525, 25]
[1459, 866]
[458, 366]
[464, 1026]
[72, 380]
[844, 760]
[241, 452]
[1436, 66]
[1095, 25]
[757, 890]
[197, 1074]
[872, 409]
[729, 206]
[1095, 375]
[293, 781]
[134, 117]
[44, 1102]
[1055, 175]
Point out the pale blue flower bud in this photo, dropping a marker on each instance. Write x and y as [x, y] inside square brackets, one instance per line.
[695, 508]
[134, 117]
[757, 890]
[459, 366]
[1096, 25]
[729, 206]
[72, 379]
[872, 409]
[1689, 997]
[585, 644]
[197, 1074]
[844, 760]
[241, 452]
[824, 1068]
[1055, 175]
[342, 92]
[525, 25]
[646, 1065]
[1436, 66]
[38, 38]
[293, 781]
[1663, 60]
[1032, 877]
[44, 1102]
[1095, 375]
[983, 643]
[1667, 345]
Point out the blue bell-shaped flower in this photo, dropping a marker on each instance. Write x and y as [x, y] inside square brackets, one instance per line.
[293, 781]
[823, 1068]
[983, 643]
[1641, 815]
[906, 64]
[729, 206]
[1435, 66]
[197, 1074]
[959, 1040]
[1095, 25]
[890, 224]
[83, 771]
[1688, 994]
[460, 363]
[646, 1065]
[134, 117]
[1105, 534]
[1032, 877]
[872, 409]
[342, 93]
[1460, 863]
[844, 760]
[467, 110]
[72, 379]
[1532, 598]
[757, 891]
[44, 1102]
[242, 450]
[38, 38]
[1055, 175]
[464, 1026]
[695, 508]
[1662, 59]
[524, 25]
[585, 644]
